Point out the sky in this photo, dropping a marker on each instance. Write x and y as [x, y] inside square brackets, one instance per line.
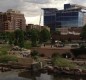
[32, 8]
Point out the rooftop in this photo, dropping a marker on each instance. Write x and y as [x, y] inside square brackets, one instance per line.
[13, 11]
[73, 6]
[69, 7]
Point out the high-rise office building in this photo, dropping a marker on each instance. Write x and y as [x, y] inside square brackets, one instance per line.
[12, 20]
[72, 15]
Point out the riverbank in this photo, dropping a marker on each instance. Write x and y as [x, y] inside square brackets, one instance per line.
[66, 71]
[61, 65]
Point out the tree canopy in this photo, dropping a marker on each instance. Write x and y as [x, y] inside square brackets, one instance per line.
[19, 38]
[83, 33]
[34, 37]
[44, 35]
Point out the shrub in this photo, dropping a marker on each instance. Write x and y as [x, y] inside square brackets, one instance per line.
[3, 53]
[7, 58]
[62, 62]
[35, 55]
[57, 60]
[27, 45]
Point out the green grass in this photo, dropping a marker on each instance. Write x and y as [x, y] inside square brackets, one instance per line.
[83, 67]
[7, 58]
[4, 56]
[4, 47]
[62, 62]
[27, 45]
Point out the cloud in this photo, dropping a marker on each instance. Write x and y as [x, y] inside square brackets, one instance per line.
[38, 1]
[81, 2]
[7, 4]
[29, 7]
[32, 8]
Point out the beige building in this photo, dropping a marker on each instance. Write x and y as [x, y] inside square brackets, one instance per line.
[12, 20]
[70, 31]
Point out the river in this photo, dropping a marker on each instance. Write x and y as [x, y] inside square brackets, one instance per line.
[19, 75]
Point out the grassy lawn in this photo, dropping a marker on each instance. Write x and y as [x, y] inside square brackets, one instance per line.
[4, 47]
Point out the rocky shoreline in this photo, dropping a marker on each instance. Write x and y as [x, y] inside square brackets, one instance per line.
[64, 71]
[48, 69]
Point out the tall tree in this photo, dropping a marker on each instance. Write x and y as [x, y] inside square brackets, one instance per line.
[4, 36]
[19, 38]
[44, 35]
[11, 38]
[83, 33]
[27, 34]
[34, 37]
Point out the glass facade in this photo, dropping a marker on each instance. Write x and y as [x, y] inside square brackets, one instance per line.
[50, 18]
[69, 17]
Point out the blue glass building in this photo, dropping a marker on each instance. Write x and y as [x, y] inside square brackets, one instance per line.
[72, 16]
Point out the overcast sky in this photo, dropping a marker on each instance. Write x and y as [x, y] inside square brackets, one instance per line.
[32, 8]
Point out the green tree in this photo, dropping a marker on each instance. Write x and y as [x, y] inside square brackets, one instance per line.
[44, 35]
[11, 38]
[35, 55]
[27, 34]
[55, 34]
[34, 37]
[19, 38]
[4, 36]
[83, 33]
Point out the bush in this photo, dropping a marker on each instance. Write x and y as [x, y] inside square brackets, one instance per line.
[35, 55]
[62, 62]
[56, 55]
[7, 58]
[4, 57]
[2, 53]
[79, 51]
[27, 45]
[4, 47]
[57, 60]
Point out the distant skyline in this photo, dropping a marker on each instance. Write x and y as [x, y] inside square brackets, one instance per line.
[32, 8]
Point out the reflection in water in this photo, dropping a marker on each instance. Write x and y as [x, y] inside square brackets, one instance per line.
[17, 75]
[12, 75]
[36, 76]
[66, 77]
[45, 76]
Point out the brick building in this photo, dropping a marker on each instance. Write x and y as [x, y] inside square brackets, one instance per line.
[12, 20]
[38, 27]
[68, 34]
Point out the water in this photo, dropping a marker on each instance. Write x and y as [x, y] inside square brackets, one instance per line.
[12, 75]
[17, 75]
